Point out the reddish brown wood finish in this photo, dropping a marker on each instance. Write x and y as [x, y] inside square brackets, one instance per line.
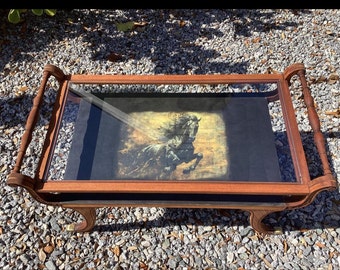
[298, 194]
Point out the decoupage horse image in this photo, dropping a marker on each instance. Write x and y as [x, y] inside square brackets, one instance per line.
[159, 160]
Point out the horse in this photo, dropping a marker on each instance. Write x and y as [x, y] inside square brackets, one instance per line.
[159, 160]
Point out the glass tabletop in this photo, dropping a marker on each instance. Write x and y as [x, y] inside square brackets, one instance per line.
[172, 132]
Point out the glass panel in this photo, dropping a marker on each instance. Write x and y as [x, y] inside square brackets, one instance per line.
[170, 132]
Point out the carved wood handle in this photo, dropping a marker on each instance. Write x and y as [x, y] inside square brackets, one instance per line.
[314, 122]
[31, 123]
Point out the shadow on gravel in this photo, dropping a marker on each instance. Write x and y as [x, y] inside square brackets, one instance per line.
[323, 213]
[169, 38]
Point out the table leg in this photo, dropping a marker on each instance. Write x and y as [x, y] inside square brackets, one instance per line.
[87, 224]
[256, 217]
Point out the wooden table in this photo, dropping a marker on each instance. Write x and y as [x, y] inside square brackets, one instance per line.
[179, 141]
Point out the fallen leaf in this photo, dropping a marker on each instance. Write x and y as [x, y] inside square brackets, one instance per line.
[256, 40]
[269, 265]
[131, 248]
[333, 78]
[21, 90]
[320, 245]
[332, 254]
[270, 70]
[143, 266]
[181, 23]
[114, 57]
[3, 168]
[285, 246]
[334, 113]
[110, 216]
[42, 255]
[125, 26]
[48, 249]
[139, 24]
[321, 79]
[116, 251]
[59, 242]
[129, 25]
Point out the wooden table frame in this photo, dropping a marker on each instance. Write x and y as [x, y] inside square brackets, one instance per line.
[57, 193]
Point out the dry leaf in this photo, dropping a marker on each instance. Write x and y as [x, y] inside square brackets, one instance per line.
[246, 42]
[285, 246]
[116, 251]
[333, 78]
[256, 40]
[49, 249]
[143, 266]
[320, 79]
[253, 237]
[132, 248]
[3, 168]
[332, 254]
[334, 113]
[21, 90]
[129, 25]
[181, 23]
[42, 255]
[110, 216]
[139, 24]
[270, 70]
[125, 26]
[172, 234]
[265, 261]
[114, 57]
[320, 245]
[59, 242]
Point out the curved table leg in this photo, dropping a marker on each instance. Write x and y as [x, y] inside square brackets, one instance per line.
[87, 224]
[256, 217]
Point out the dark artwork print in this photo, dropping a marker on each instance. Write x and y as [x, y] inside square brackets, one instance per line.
[185, 149]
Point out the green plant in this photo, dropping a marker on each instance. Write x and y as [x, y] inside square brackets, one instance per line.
[14, 14]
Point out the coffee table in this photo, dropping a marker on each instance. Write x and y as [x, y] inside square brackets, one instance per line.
[174, 141]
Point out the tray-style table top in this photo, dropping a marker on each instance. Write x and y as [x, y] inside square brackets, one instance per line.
[159, 136]
[198, 134]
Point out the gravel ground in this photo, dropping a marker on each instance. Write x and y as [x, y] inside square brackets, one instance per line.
[33, 235]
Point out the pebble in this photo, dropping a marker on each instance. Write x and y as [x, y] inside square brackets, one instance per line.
[172, 42]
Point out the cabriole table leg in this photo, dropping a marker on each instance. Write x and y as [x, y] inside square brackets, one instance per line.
[87, 224]
[256, 217]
